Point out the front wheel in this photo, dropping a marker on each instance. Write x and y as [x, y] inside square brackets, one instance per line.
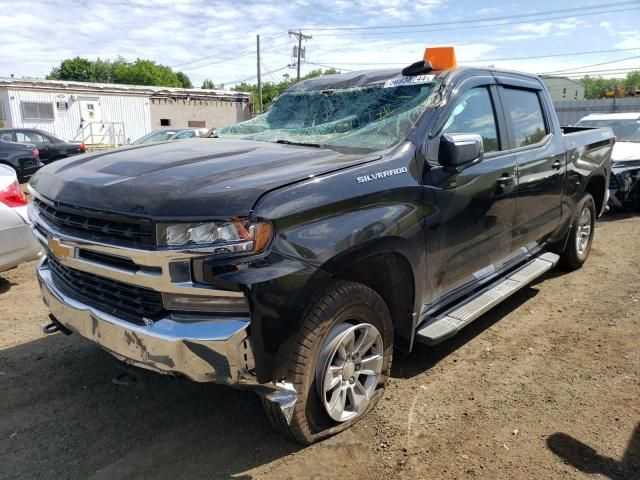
[340, 363]
[580, 234]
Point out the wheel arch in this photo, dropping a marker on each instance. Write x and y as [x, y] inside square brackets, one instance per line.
[385, 266]
[596, 186]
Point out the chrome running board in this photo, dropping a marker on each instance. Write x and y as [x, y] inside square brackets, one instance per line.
[435, 330]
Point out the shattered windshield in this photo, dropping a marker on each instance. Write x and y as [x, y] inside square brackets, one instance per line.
[366, 118]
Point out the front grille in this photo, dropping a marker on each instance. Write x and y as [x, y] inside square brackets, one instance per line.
[122, 300]
[105, 227]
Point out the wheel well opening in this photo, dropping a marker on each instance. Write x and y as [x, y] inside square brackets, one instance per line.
[391, 277]
[596, 188]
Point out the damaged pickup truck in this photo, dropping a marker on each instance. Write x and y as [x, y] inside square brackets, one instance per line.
[293, 253]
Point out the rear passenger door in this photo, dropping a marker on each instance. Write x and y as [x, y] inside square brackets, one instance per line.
[540, 162]
[43, 145]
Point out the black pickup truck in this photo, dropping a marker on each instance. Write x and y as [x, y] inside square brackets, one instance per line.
[362, 213]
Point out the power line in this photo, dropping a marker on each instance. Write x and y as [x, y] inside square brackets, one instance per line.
[485, 25]
[498, 59]
[328, 66]
[240, 80]
[592, 65]
[196, 67]
[230, 52]
[506, 17]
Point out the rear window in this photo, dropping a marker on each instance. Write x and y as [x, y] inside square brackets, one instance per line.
[527, 119]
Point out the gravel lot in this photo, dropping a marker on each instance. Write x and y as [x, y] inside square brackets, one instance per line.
[546, 386]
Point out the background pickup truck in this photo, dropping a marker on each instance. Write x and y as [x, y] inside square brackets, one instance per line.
[363, 212]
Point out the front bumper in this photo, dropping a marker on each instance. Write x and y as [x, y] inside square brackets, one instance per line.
[214, 350]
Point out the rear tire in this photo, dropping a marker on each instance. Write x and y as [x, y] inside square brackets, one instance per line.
[580, 235]
[344, 310]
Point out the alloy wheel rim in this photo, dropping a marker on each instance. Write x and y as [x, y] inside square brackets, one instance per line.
[583, 233]
[349, 369]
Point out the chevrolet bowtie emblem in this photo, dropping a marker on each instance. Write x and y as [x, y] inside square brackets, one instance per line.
[59, 250]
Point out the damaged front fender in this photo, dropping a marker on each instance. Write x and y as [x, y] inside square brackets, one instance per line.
[624, 185]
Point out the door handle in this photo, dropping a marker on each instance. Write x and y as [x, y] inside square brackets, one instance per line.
[506, 178]
[557, 165]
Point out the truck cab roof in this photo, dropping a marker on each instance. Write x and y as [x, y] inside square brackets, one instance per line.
[363, 78]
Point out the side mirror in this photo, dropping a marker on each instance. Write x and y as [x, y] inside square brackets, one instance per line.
[459, 149]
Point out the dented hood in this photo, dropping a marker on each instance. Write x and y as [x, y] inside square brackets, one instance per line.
[199, 178]
[625, 151]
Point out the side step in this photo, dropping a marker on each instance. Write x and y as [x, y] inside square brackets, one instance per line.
[444, 326]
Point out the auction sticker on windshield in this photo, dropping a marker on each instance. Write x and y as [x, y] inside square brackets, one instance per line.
[402, 81]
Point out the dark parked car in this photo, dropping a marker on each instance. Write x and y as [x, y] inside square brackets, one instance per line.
[21, 157]
[165, 134]
[363, 212]
[49, 145]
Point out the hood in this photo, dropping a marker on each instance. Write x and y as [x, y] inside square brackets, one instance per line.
[625, 151]
[197, 179]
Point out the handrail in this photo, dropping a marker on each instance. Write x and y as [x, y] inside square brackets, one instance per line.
[101, 134]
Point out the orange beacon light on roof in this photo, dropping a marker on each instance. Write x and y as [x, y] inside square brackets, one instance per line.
[441, 58]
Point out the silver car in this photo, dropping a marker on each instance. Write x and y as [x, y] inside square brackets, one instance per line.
[17, 243]
[165, 134]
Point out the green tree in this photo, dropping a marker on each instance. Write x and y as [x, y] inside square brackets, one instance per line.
[208, 84]
[186, 82]
[595, 86]
[79, 69]
[140, 72]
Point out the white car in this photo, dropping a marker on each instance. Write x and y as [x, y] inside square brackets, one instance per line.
[624, 184]
[17, 243]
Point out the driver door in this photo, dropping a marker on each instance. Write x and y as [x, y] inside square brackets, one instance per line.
[471, 236]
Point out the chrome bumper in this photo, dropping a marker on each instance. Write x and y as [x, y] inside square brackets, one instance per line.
[205, 351]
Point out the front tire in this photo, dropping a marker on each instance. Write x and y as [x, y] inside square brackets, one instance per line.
[580, 234]
[340, 362]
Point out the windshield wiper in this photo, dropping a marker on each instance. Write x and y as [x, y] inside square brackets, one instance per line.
[302, 144]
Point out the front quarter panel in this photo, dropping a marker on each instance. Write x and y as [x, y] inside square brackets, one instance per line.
[326, 222]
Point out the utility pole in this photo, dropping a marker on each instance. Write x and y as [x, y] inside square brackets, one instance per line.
[299, 35]
[259, 78]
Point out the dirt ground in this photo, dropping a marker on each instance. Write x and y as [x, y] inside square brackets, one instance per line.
[545, 386]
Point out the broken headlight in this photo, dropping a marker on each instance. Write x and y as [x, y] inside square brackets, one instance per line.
[235, 236]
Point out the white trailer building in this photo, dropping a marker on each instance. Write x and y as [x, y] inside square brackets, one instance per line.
[108, 114]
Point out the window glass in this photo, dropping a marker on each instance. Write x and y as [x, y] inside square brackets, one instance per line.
[6, 136]
[187, 134]
[474, 113]
[29, 137]
[525, 111]
[37, 111]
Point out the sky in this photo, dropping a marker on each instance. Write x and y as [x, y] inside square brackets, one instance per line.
[215, 39]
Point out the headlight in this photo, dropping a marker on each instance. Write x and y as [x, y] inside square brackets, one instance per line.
[235, 236]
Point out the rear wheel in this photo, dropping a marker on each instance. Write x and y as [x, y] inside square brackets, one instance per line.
[340, 362]
[580, 234]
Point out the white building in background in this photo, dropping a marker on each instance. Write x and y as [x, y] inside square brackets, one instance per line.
[111, 114]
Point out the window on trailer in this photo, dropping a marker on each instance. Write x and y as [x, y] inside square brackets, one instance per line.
[37, 111]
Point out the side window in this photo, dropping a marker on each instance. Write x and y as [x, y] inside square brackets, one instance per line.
[527, 119]
[187, 134]
[474, 113]
[29, 137]
[6, 136]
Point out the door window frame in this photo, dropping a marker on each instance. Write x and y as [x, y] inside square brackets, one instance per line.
[509, 124]
[476, 81]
